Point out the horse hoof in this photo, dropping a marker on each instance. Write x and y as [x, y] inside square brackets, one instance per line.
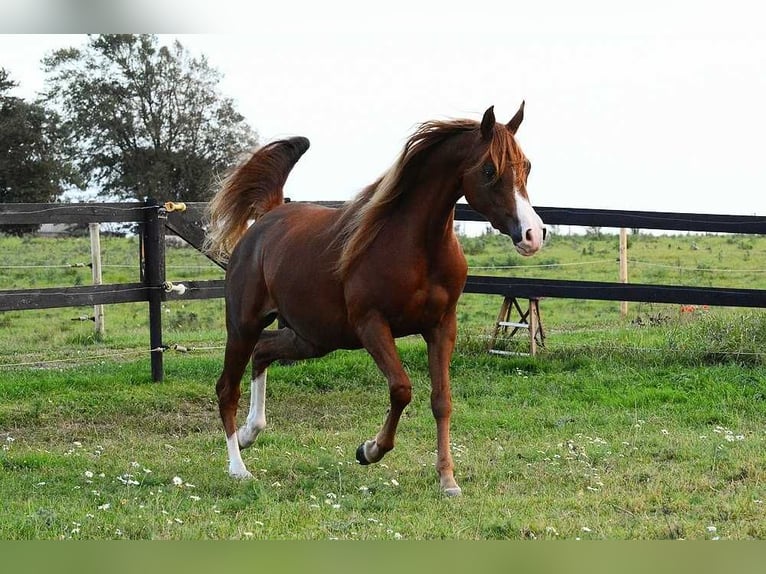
[360, 457]
[244, 442]
[454, 491]
[242, 474]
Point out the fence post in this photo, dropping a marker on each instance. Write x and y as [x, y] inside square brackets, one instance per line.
[95, 260]
[623, 267]
[154, 277]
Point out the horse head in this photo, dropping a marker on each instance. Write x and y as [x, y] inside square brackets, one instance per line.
[495, 183]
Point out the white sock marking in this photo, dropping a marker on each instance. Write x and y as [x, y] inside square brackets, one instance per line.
[237, 468]
[256, 416]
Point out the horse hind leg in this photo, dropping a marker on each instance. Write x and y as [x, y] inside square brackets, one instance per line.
[278, 345]
[256, 416]
[228, 390]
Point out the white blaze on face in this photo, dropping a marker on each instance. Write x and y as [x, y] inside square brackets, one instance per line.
[532, 227]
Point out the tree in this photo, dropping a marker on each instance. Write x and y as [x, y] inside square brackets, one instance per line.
[148, 120]
[33, 153]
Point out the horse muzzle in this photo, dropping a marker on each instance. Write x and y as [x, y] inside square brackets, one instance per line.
[528, 231]
[530, 241]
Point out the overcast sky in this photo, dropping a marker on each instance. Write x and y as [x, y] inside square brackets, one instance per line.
[642, 105]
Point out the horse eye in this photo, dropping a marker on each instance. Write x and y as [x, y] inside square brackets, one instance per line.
[489, 171]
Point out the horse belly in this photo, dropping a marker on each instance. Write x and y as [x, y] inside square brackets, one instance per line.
[309, 298]
[319, 319]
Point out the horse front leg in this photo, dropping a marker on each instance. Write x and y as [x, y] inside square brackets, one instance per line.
[441, 342]
[376, 337]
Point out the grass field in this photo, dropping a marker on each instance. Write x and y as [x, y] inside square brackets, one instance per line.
[618, 429]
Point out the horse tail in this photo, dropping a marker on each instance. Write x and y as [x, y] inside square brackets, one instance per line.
[249, 191]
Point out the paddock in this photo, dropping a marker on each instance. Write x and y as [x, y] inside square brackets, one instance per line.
[652, 436]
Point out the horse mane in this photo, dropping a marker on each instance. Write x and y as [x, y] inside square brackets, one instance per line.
[248, 191]
[366, 214]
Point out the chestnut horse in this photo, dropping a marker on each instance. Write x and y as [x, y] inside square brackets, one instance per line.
[384, 265]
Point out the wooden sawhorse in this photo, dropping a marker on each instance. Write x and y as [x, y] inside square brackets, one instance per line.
[529, 319]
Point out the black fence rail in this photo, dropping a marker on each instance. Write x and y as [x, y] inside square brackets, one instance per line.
[605, 291]
[746, 224]
[155, 219]
[150, 216]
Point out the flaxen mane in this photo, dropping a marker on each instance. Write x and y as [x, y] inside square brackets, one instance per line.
[366, 214]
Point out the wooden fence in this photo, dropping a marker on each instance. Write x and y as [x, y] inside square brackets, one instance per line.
[155, 218]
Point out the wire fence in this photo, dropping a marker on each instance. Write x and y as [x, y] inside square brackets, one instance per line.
[34, 360]
[212, 267]
[31, 360]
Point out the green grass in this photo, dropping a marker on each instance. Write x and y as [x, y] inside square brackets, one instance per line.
[617, 430]
[554, 447]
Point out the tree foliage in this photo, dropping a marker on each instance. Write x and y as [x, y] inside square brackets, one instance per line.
[149, 120]
[33, 152]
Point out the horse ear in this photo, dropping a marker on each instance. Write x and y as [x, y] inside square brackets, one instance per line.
[488, 123]
[515, 122]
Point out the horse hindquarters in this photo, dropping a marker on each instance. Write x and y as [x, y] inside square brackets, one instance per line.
[248, 313]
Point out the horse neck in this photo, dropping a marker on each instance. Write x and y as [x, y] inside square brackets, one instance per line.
[430, 206]
[417, 214]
